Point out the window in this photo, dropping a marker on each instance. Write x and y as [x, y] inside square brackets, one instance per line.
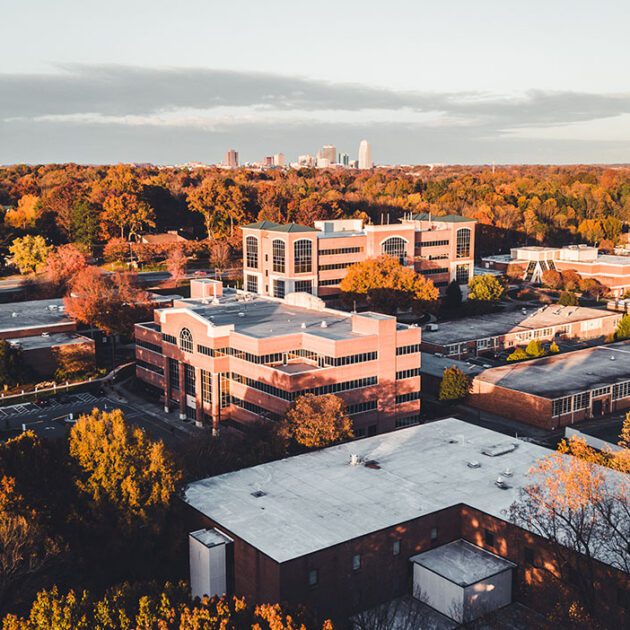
[147, 345]
[356, 561]
[560, 406]
[329, 283]
[407, 421]
[189, 379]
[488, 538]
[173, 373]
[169, 339]
[529, 556]
[341, 250]
[149, 366]
[368, 405]
[303, 256]
[313, 577]
[431, 244]
[396, 547]
[462, 273]
[434, 534]
[185, 340]
[601, 391]
[206, 386]
[463, 243]
[434, 272]
[403, 398]
[251, 252]
[408, 349]
[621, 390]
[407, 373]
[224, 389]
[252, 284]
[581, 401]
[343, 265]
[396, 247]
[279, 256]
[278, 288]
[303, 286]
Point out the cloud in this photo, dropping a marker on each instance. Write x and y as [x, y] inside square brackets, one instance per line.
[249, 109]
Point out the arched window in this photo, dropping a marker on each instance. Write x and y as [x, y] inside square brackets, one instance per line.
[396, 247]
[251, 251]
[303, 256]
[463, 243]
[278, 255]
[185, 340]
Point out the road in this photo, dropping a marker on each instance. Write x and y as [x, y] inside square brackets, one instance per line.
[49, 419]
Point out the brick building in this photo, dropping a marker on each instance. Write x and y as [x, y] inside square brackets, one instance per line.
[340, 530]
[231, 355]
[25, 319]
[505, 330]
[531, 262]
[280, 259]
[558, 390]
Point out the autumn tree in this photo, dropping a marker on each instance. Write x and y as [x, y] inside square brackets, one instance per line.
[318, 421]
[535, 349]
[568, 298]
[176, 265]
[64, 263]
[592, 288]
[455, 384]
[485, 288]
[219, 256]
[116, 250]
[388, 286]
[25, 214]
[552, 279]
[623, 328]
[518, 354]
[570, 280]
[583, 512]
[126, 215]
[121, 468]
[30, 253]
[553, 348]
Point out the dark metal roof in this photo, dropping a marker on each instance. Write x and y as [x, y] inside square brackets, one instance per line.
[277, 227]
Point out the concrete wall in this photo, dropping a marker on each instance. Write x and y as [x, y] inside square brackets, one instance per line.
[438, 592]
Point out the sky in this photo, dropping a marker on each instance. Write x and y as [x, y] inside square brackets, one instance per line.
[448, 81]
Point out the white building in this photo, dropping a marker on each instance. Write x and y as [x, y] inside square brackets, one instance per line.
[365, 155]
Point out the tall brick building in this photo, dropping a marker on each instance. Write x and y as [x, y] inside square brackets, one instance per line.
[279, 259]
[231, 355]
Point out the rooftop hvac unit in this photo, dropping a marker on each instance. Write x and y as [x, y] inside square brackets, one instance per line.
[431, 327]
[498, 449]
[324, 324]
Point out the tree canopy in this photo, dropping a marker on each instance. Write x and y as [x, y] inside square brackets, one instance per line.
[485, 288]
[455, 385]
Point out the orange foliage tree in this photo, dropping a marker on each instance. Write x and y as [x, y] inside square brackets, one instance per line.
[63, 264]
[318, 421]
[388, 286]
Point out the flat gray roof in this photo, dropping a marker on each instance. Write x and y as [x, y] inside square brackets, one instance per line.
[495, 324]
[48, 341]
[435, 366]
[31, 314]
[299, 505]
[564, 374]
[462, 563]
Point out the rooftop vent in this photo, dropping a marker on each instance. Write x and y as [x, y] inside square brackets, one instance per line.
[507, 472]
[354, 459]
[500, 483]
[241, 314]
[324, 324]
[498, 449]
[612, 357]
[258, 493]
[303, 325]
[14, 314]
[474, 464]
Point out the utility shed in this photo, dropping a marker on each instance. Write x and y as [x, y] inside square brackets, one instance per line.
[462, 581]
[208, 562]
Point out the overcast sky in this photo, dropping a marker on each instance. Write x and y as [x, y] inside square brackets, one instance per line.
[450, 81]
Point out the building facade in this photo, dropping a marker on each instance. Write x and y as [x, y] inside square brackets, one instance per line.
[365, 155]
[279, 259]
[231, 159]
[529, 263]
[230, 356]
[348, 539]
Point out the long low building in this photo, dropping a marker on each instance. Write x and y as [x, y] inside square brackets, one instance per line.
[558, 390]
[231, 355]
[496, 332]
[34, 317]
[342, 529]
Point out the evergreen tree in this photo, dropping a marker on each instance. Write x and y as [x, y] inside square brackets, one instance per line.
[453, 296]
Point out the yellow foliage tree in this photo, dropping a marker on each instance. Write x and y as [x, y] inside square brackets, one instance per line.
[122, 467]
[25, 214]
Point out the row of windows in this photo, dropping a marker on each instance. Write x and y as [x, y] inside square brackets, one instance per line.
[341, 250]
[408, 421]
[369, 405]
[408, 349]
[407, 373]
[149, 366]
[147, 345]
[343, 265]
[333, 388]
[621, 390]
[251, 284]
[169, 338]
[441, 283]
[403, 398]
[329, 283]
[284, 357]
[567, 404]
[252, 408]
[432, 244]
[433, 272]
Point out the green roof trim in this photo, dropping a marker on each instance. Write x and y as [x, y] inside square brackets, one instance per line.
[449, 218]
[277, 227]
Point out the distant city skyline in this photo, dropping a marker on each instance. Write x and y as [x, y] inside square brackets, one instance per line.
[438, 83]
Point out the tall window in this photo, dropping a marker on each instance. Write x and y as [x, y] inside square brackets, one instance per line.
[278, 288]
[303, 286]
[461, 274]
[173, 373]
[252, 284]
[185, 340]
[463, 243]
[303, 256]
[206, 386]
[251, 251]
[396, 247]
[189, 379]
[278, 255]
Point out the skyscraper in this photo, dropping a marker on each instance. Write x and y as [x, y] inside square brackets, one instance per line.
[328, 152]
[365, 155]
[231, 159]
[278, 159]
[344, 159]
